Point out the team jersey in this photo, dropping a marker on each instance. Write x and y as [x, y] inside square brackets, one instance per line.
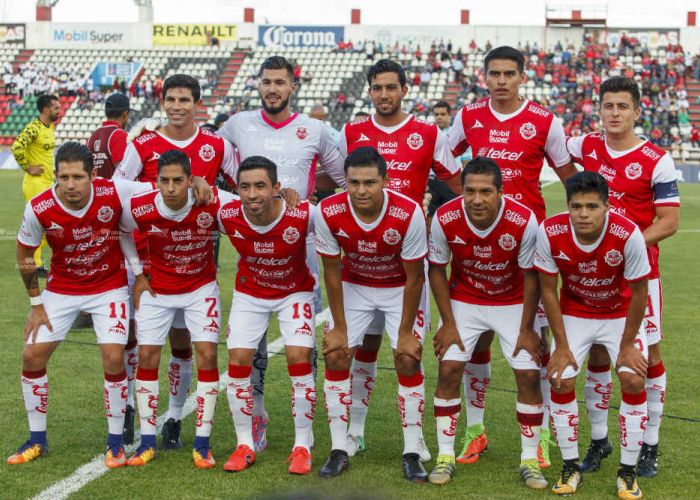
[86, 254]
[517, 142]
[593, 276]
[272, 263]
[373, 253]
[34, 146]
[639, 180]
[486, 264]
[411, 149]
[297, 146]
[107, 145]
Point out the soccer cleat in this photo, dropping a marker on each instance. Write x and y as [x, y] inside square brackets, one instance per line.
[413, 468]
[300, 461]
[648, 465]
[242, 458]
[597, 451]
[543, 450]
[475, 444]
[27, 452]
[171, 434]
[443, 471]
[260, 433]
[115, 458]
[355, 445]
[532, 475]
[337, 462]
[569, 480]
[128, 433]
[627, 487]
[424, 452]
[203, 461]
[142, 456]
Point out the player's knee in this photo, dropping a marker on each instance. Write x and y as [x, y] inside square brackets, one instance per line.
[206, 355]
[450, 375]
[113, 359]
[655, 354]
[406, 366]
[631, 383]
[31, 360]
[149, 356]
[566, 385]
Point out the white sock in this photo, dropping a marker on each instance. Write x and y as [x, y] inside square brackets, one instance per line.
[530, 421]
[476, 380]
[146, 390]
[240, 402]
[446, 418]
[633, 415]
[656, 392]
[411, 399]
[303, 403]
[337, 392]
[564, 414]
[35, 389]
[131, 361]
[115, 388]
[364, 375]
[598, 389]
[207, 394]
[180, 380]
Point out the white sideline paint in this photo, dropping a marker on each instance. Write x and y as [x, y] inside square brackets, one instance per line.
[96, 467]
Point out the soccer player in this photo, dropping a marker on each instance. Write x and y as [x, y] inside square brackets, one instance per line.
[518, 135]
[412, 149]
[491, 240]
[272, 277]
[108, 143]
[33, 151]
[439, 192]
[208, 154]
[382, 236]
[602, 260]
[642, 180]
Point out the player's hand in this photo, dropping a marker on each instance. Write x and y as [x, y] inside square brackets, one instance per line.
[149, 124]
[203, 193]
[313, 199]
[632, 358]
[427, 198]
[410, 346]
[446, 336]
[530, 342]
[35, 170]
[37, 317]
[336, 339]
[291, 197]
[142, 284]
[560, 359]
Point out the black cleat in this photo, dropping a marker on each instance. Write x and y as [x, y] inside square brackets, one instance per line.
[171, 434]
[413, 468]
[128, 425]
[648, 465]
[337, 462]
[597, 451]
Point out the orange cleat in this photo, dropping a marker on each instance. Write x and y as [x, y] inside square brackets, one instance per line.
[473, 449]
[142, 456]
[203, 461]
[300, 461]
[240, 459]
[114, 459]
[26, 453]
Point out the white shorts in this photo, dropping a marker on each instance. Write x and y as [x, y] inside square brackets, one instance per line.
[250, 317]
[473, 320]
[178, 322]
[652, 315]
[109, 311]
[582, 333]
[201, 310]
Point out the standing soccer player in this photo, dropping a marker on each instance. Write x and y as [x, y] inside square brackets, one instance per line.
[602, 260]
[272, 277]
[518, 135]
[643, 188]
[382, 235]
[491, 241]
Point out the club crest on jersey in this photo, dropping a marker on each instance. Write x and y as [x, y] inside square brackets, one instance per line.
[290, 235]
[205, 220]
[633, 171]
[392, 236]
[105, 214]
[302, 133]
[507, 242]
[97, 144]
[415, 141]
[528, 131]
[206, 152]
[613, 258]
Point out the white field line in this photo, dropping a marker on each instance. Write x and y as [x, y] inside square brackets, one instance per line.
[96, 467]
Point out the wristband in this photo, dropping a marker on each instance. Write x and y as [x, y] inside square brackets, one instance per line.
[35, 301]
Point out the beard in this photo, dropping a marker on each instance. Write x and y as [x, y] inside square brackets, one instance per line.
[273, 110]
[391, 112]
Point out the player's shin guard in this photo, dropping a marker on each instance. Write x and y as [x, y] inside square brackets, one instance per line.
[364, 375]
[131, 361]
[656, 392]
[564, 415]
[530, 421]
[258, 378]
[633, 418]
[240, 402]
[35, 389]
[180, 380]
[446, 418]
[303, 402]
[476, 380]
[337, 392]
[147, 400]
[545, 389]
[598, 389]
[115, 388]
[207, 394]
[411, 399]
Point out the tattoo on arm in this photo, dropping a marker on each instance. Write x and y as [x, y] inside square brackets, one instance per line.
[31, 279]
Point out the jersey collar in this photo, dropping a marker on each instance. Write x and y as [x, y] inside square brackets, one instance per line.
[278, 125]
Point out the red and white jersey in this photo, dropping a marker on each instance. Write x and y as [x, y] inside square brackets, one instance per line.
[86, 254]
[297, 146]
[373, 254]
[593, 276]
[107, 145]
[272, 263]
[208, 154]
[640, 179]
[517, 142]
[412, 149]
[486, 264]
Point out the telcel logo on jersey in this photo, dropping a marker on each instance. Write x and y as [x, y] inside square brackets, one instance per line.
[398, 165]
[500, 154]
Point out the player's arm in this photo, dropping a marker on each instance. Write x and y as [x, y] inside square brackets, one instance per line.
[556, 151]
[332, 162]
[456, 138]
[116, 146]
[444, 165]
[131, 165]
[528, 339]
[666, 202]
[19, 149]
[665, 224]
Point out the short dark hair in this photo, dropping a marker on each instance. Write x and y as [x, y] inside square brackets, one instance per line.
[277, 62]
[443, 104]
[386, 66]
[621, 84]
[256, 162]
[360, 114]
[71, 152]
[175, 157]
[505, 52]
[483, 166]
[587, 182]
[45, 101]
[181, 80]
[366, 156]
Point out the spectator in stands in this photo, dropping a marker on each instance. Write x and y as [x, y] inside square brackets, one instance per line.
[297, 74]
[695, 137]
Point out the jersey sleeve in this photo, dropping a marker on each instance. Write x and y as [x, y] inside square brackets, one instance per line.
[543, 260]
[444, 164]
[415, 244]
[439, 249]
[117, 145]
[636, 257]
[31, 231]
[229, 165]
[224, 199]
[24, 139]
[456, 138]
[330, 158]
[664, 182]
[575, 147]
[555, 147]
[228, 130]
[131, 166]
[528, 246]
[126, 189]
[343, 143]
[326, 244]
[128, 246]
